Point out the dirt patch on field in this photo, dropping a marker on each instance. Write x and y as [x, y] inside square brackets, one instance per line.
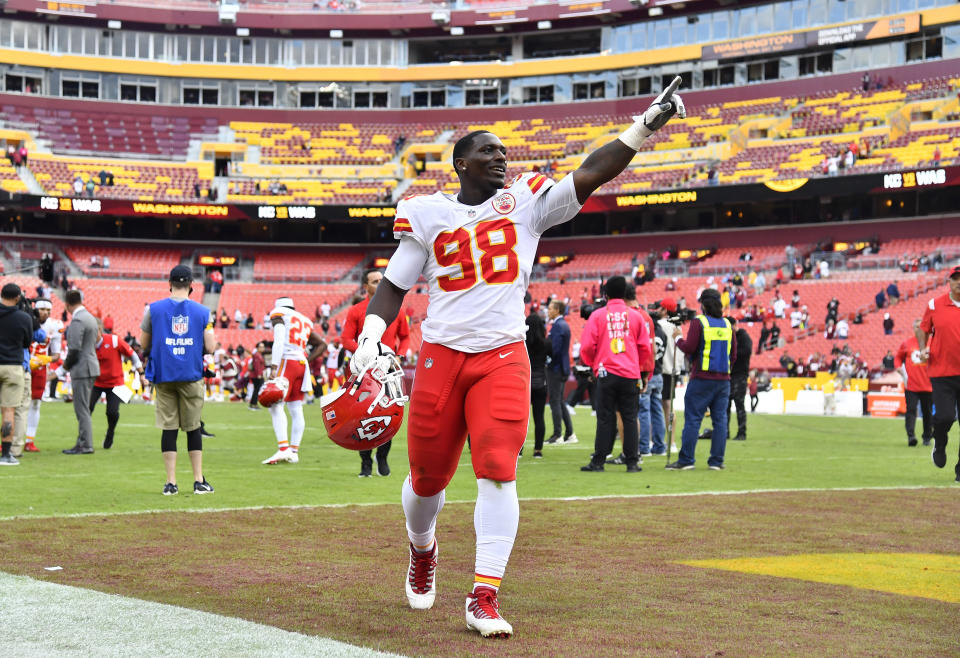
[587, 577]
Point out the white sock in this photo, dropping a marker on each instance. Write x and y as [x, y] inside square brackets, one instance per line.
[495, 520]
[297, 424]
[421, 514]
[33, 418]
[279, 418]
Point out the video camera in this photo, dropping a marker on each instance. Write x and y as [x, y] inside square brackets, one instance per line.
[587, 309]
[680, 317]
[26, 306]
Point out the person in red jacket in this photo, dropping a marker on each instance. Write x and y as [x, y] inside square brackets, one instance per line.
[396, 337]
[918, 389]
[938, 337]
[110, 352]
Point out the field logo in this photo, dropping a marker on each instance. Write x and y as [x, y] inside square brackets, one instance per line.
[505, 203]
[180, 325]
[371, 428]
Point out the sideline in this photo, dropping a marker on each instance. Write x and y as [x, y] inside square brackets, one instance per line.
[62, 620]
[682, 494]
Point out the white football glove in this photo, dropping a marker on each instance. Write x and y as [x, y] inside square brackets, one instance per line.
[664, 107]
[369, 346]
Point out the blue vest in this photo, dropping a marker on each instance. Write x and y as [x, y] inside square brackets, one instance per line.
[176, 352]
[717, 344]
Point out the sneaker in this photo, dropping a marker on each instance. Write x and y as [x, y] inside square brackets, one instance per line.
[553, 440]
[619, 460]
[677, 466]
[659, 453]
[571, 439]
[30, 447]
[421, 582]
[592, 468]
[202, 487]
[282, 456]
[204, 432]
[716, 467]
[939, 457]
[107, 442]
[911, 441]
[739, 437]
[9, 460]
[483, 614]
[571, 410]
[538, 454]
[646, 454]
[926, 442]
[170, 489]
[633, 468]
[383, 468]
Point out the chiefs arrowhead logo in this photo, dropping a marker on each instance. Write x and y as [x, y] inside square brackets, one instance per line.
[505, 203]
[373, 427]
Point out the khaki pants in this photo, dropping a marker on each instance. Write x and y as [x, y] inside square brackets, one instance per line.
[11, 378]
[179, 405]
[20, 417]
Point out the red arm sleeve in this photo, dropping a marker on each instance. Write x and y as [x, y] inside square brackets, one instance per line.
[351, 328]
[403, 334]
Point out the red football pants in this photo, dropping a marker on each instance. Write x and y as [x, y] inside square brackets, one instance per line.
[294, 371]
[38, 382]
[486, 394]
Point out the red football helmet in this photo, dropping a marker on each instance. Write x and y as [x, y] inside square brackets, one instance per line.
[367, 411]
[273, 391]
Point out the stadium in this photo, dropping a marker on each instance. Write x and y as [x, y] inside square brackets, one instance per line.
[269, 146]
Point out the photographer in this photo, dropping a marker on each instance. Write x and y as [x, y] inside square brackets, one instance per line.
[16, 334]
[668, 318]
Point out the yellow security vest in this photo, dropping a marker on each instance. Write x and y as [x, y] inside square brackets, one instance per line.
[717, 335]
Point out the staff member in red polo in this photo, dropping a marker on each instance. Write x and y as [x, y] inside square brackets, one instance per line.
[110, 352]
[938, 338]
[918, 390]
[396, 337]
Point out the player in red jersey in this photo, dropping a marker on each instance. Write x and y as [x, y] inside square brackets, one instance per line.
[476, 251]
[110, 352]
[396, 337]
[41, 356]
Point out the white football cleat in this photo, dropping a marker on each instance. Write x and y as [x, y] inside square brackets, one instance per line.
[293, 457]
[281, 456]
[483, 614]
[421, 581]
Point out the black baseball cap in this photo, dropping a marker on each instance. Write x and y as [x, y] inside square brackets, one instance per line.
[181, 274]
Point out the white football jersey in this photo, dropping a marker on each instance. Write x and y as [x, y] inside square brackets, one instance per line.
[477, 259]
[54, 330]
[299, 327]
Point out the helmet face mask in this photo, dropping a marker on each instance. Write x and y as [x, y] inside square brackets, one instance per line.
[367, 411]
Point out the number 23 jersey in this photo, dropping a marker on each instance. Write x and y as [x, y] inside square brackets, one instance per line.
[477, 259]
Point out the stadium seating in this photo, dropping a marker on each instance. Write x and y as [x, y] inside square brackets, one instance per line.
[134, 181]
[258, 299]
[125, 262]
[314, 192]
[122, 300]
[10, 180]
[304, 266]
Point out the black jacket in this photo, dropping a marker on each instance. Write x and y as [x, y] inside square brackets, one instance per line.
[537, 348]
[16, 334]
[741, 366]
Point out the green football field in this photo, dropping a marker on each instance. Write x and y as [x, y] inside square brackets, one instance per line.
[822, 536]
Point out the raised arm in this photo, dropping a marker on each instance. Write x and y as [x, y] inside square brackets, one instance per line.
[608, 161]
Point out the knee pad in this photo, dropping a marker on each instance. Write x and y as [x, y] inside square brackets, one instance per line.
[168, 441]
[194, 440]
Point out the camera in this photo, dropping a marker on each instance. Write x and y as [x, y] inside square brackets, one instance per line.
[587, 309]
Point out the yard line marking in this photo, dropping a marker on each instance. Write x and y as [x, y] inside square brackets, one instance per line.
[681, 494]
[72, 621]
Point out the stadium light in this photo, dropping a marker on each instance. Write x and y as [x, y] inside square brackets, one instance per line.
[336, 34]
[655, 11]
[544, 25]
[243, 31]
[114, 25]
[440, 17]
[456, 31]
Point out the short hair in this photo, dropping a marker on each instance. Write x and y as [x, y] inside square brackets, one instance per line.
[73, 298]
[367, 273]
[560, 306]
[615, 287]
[630, 293]
[465, 143]
[10, 291]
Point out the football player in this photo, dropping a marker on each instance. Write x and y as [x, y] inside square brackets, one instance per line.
[292, 332]
[396, 338]
[476, 251]
[41, 354]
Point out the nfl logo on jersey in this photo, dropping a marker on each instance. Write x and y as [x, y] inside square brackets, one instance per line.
[180, 324]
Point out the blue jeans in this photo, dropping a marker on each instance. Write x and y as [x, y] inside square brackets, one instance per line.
[703, 394]
[652, 424]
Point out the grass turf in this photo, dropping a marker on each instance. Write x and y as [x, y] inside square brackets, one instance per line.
[590, 577]
[781, 453]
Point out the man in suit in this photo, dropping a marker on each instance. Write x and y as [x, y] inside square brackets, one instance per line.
[558, 371]
[82, 364]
